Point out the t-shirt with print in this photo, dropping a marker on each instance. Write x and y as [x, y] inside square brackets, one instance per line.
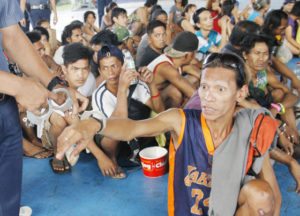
[104, 102]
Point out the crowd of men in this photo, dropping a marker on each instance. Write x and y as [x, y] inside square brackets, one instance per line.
[211, 84]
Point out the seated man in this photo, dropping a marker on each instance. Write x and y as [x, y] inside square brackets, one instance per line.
[168, 67]
[113, 99]
[156, 31]
[267, 91]
[104, 37]
[45, 39]
[209, 40]
[35, 38]
[76, 59]
[209, 151]
[72, 33]
[54, 43]
[119, 19]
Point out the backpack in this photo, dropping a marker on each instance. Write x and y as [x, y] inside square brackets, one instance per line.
[261, 138]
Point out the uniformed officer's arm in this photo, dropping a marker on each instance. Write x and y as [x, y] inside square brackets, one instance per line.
[19, 48]
[28, 92]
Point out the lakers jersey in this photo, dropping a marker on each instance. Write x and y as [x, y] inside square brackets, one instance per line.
[190, 167]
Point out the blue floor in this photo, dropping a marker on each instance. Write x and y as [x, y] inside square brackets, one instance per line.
[85, 192]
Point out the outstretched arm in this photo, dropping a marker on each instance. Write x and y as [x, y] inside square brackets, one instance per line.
[83, 132]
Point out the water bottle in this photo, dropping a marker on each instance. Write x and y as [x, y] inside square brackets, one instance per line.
[130, 64]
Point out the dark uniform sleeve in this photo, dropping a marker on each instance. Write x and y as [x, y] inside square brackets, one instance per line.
[10, 13]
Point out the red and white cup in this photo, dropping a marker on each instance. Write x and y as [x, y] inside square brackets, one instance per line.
[154, 161]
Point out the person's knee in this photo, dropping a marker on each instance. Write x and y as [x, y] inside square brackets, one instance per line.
[258, 196]
[58, 121]
[174, 98]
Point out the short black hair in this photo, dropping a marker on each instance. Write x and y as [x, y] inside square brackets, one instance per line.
[87, 13]
[157, 13]
[42, 31]
[251, 39]
[241, 30]
[296, 9]
[187, 8]
[259, 4]
[227, 7]
[154, 24]
[230, 61]
[34, 36]
[273, 20]
[39, 22]
[105, 37]
[154, 8]
[111, 6]
[150, 3]
[183, 2]
[196, 17]
[67, 32]
[76, 51]
[116, 12]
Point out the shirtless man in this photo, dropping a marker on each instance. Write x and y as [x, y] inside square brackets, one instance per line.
[220, 132]
[168, 67]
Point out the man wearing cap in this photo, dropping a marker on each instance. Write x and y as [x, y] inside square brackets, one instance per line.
[111, 99]
[167, 70]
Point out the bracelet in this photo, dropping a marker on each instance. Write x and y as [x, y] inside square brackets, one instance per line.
[102, 123]
[155, 96]
[282, 109]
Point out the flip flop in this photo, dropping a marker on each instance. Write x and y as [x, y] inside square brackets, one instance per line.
[63, 165]
[40, 155]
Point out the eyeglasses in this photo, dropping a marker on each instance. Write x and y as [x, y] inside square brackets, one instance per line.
[229, 60]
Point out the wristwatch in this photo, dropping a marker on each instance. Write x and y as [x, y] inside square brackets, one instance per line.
[56, 81]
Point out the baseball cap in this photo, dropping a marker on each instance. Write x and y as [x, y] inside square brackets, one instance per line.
[184, 42]
[110, 51]
[121, 32]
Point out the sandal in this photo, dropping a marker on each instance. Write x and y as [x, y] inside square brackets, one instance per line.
[44, 153]
[60, 166]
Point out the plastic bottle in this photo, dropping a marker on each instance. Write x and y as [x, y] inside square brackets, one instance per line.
[130, 64]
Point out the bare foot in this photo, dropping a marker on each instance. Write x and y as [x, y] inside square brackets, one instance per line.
[295, 171]
[109, 167]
